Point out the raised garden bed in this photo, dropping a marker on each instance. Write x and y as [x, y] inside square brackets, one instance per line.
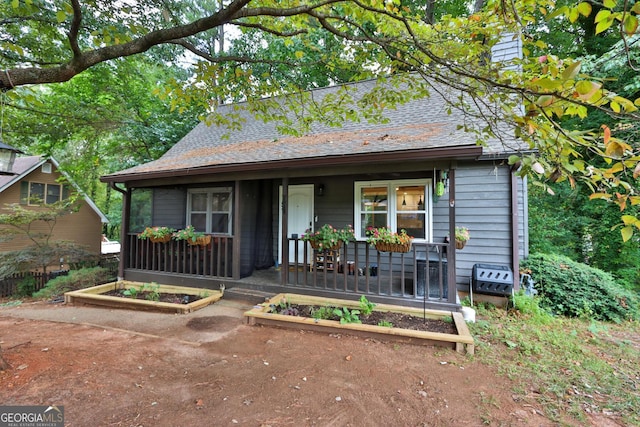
[461, 341]
[193, 298]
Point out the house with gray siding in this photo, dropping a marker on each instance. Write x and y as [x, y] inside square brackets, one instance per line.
[256, 190]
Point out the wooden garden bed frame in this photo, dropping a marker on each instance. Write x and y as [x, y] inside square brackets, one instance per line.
[461, 342]
[94, 296]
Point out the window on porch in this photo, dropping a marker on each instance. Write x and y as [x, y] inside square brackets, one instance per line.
[209, 210]
[398, 204]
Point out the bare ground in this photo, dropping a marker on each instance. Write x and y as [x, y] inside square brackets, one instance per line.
[127, 368]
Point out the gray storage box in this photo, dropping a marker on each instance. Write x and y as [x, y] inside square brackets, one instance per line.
[492, 279]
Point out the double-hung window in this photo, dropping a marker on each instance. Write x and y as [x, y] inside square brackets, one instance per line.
[398, 204]
[209, 209]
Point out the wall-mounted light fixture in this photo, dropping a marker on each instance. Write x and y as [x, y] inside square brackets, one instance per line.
[320, 190]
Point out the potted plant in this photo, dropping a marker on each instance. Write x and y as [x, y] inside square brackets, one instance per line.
[386, 240]
[192, 237]
[328, 237]
[157, 234]
[462, 237]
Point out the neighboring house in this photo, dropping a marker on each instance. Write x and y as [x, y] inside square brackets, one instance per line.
[254, 188]
[41, 177]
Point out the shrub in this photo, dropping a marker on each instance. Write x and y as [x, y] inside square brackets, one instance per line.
[573, 289]
[26, 286]
[76, 279]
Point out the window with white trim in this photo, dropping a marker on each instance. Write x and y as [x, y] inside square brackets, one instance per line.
[37, 193]
[209, 209]
[398, 204]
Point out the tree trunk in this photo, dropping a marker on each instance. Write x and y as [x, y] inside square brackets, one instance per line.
[428, 11]
[478, 5]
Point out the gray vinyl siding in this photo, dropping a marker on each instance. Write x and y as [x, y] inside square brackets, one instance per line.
[483, 204]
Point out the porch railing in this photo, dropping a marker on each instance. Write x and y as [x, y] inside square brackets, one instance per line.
[212, 259]
[357, 267]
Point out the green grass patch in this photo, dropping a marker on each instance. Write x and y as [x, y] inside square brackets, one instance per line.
[568, 366]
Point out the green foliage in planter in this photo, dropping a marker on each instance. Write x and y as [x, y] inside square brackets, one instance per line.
[573, 289]
[76, 279]
[325, 313]
[346, 315]
[366, 306]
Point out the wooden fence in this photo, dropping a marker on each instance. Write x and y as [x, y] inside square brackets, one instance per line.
[9, 285]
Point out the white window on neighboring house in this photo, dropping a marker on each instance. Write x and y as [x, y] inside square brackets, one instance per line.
[398, 204]
[209, 209]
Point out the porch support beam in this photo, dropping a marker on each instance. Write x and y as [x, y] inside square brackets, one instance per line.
[285, 231]
[237, 232]
[451, 252]
[124, 227]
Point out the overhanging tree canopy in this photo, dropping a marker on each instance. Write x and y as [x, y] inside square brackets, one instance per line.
[48, 42]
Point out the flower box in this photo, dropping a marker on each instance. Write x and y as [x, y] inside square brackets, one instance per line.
[199, 241]
[317, 246]
[163, 239]
[393, 247]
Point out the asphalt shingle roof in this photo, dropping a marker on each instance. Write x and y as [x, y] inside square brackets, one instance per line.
[20, 166]
[419, 124]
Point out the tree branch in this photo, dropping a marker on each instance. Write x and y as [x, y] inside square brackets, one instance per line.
[75, 27]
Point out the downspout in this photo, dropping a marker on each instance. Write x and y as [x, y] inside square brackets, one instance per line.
[124, 227]
[237, 232]
[515, 241]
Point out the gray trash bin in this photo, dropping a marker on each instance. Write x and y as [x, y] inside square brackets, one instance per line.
[434, 278]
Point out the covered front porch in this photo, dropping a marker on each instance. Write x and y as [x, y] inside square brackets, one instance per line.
[418, 277]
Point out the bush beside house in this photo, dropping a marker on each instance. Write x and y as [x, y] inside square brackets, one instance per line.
[573, 289]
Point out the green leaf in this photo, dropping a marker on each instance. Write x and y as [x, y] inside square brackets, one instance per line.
[603, 25]
[630, 24]
[571, 71]
[610, 4]
[630, 220]
[584, 8]
[548, 84]
[626, 232]
[587, 89]
[299, 54]
[603, 15]
[61, 15]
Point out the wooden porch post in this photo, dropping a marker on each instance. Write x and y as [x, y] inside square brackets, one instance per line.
[237, 225]
[124, 229]
[285, 231]
[451, 252]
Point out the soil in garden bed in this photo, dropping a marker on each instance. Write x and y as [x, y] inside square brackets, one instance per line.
[156, 296]
[380, 318]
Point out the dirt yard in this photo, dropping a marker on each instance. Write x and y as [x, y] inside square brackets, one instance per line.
[126, 368]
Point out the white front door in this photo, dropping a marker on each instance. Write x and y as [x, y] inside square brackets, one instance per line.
[300, 218]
